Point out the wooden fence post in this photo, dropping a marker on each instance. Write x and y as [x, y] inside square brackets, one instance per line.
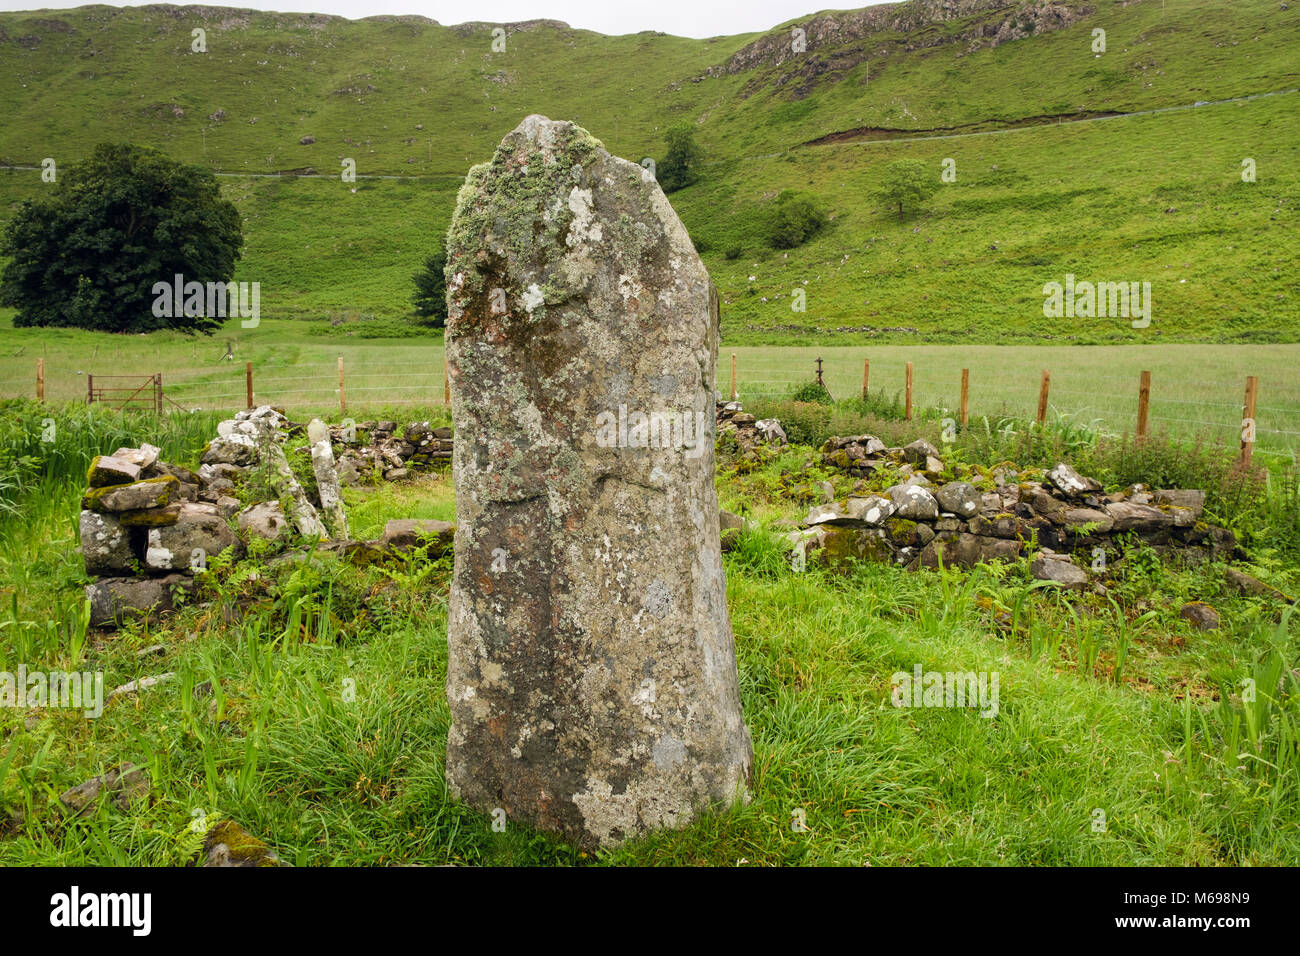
[157, 392]
[248, 381]
[733, 376]
[90, 389]
[1042, 396]
[40, 379]
[1248, 420]
[965, 396]
[1144, 403]
[907, 411]
[343, 404]
[866, 375]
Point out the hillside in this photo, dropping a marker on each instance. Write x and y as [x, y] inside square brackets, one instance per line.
[1051, 177]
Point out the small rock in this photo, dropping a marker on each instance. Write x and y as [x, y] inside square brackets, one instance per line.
[228, 844]
[1252, 586]
[125, 783]
[918, 451]
[730, 527]
[1070, 481]
[408, 533]
[108, 470]
[1189, 498]
[143, 683]
[1063, 572]
[1200, 615]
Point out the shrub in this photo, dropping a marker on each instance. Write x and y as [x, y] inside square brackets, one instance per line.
[795, 219]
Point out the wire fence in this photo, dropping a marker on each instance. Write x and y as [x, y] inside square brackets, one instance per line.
[1181, 401]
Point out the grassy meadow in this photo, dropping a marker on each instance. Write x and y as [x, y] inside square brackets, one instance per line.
[1107, 703]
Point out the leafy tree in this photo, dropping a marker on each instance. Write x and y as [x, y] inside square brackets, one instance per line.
[430, 297]
[795, 219]
[88, 253]
[908, 183]
[682, 156]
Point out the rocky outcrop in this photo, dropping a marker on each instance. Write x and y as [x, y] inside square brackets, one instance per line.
[836, 42]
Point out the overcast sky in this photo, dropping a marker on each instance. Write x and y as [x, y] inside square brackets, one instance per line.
[688, 18]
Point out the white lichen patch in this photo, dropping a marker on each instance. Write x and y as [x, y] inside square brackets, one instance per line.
[584, 227]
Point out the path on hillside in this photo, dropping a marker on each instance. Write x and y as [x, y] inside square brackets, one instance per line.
[861, 136]
[874, 134]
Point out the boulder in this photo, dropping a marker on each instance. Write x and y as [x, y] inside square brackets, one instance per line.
[199, 532]
[960, 498]
[1134, 517]
[1086, 520]
[135, 496]
[591, 675]
[237, 448]
[142, 457]
[770, 430]
[913, 502]
[1252, 586]
[105, 544]
[266, 519]
[995, 526]
[114, 601]
[872, 510]
[730, 526]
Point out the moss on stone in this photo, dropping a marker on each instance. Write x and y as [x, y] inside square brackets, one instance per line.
[242, 846]
[92, 498]
[901, 530]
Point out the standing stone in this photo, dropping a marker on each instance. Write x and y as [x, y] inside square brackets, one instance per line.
[327, 480]
[592, 673]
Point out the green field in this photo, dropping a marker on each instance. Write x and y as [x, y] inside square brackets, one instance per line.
[1197, 390]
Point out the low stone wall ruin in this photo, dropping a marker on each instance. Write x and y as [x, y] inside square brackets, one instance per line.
[148, 527]
[1057, 517]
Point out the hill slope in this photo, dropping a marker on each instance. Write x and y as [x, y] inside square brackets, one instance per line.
[1155, 198]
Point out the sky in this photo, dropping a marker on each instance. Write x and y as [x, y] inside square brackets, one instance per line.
[688, 18]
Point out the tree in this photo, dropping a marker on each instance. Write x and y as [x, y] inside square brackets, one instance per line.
[430, 297]
[795, 219]
[907, 184]
[88, 254]
[682, 156]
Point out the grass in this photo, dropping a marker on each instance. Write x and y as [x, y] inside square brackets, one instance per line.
[308, 705]
[1197, 390]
